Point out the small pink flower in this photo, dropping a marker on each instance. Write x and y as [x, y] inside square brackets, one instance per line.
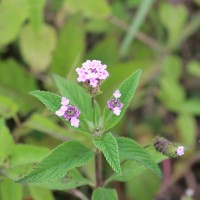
[75, 122]
[180, 151]
[117, 94]
[65, 101]
[116, 111]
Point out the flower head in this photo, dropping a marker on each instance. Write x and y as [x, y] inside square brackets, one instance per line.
[115, 105]
[180, 151]
[92, 73]
[69, 112]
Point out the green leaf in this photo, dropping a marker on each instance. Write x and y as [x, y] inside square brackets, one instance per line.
[53, 103]
[10, 190]
[174, 19]
[76, 94]
[8, 107]
[43, 124]
[130, 150]
[15, 13]
[191, 107]
[193, 68]
[6, 141]
[37, 47]
[40, 193]
[15, 88]
[97, 114]
[108, 145]
[50, 100]
[104, 194]
[187, 128]
[127, 89]
[73, 179]
[93, 9]
[131, 168]
[65, 157]
[27, 154]
[69, 49]
[36, 9]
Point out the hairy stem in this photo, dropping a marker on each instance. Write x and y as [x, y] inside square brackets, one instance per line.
[98, 167]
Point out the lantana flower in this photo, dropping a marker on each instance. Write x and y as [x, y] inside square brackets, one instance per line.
[180, 151]
[92, 73]
[115, 105]
[69, 112]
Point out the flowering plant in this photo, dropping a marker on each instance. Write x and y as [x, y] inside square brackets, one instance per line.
[79, 109]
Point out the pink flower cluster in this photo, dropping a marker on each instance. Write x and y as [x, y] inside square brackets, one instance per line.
[92, 72]
[69, 112]
[180, 151]
[115, 104]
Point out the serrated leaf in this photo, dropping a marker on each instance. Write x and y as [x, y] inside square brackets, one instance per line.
[8, 108]
[130, 150]
[72, 180]
[69, 49]
[65, 157]
[108, 145]
[6, 141]
[40, 193]
[37, 47]
[131, 169]
[53, 103]
[127, 89]
[9, 190]
[76, 94]
[104, 194]
[26, 154]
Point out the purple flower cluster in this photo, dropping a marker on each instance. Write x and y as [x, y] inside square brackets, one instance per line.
[180, 151]
[69, 112]
[92, 72]
[115, 104]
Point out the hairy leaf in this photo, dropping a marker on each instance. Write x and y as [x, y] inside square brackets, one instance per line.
[108, 145]
[127, 89]
[104, 194]
[65, 157]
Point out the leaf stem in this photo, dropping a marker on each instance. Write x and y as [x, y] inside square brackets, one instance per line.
[98, 167]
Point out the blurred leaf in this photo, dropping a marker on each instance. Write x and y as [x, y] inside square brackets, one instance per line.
[53, 103]
[36, 9]
[12, 16]
[72, 180]
[27, 154]
[172, 68]
[135, 188]
[131, 169]
[15, 83]
[40, 193]
[172, 94]
[65, 157]
[127, 89]
[193, 68]
[45, 125]
[99, 53]
[92, 9]
[37, 47]
[137, 21]
[191, 107]
[104, 194]
[10, 190]
[8, 107]
[70, 47]
[174, 19]
[108, 145]
[130, 150]
[187, 129]
[6, 141]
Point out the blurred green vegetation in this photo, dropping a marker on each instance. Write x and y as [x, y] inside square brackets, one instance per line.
[39, 38]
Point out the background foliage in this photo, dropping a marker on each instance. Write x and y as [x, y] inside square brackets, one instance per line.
[39, 38]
